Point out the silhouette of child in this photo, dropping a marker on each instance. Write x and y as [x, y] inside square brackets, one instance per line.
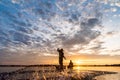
[70, 66]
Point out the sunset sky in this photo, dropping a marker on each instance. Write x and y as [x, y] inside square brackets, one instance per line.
[32, 30]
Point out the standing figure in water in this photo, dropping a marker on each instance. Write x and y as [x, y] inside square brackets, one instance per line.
[70, 66]
[61, 56]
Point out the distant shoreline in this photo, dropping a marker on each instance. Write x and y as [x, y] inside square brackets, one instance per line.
[47, 65]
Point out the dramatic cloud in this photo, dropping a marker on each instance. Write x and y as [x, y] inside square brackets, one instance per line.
[85, 34]
[31, 26]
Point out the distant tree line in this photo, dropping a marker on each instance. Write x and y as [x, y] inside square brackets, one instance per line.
[47, 65]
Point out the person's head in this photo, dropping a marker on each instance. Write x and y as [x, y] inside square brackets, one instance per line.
[61, 49]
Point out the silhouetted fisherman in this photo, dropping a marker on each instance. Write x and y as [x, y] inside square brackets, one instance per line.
[70, 66]
[61, 56]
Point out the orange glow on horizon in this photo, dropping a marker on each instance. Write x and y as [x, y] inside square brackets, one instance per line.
[78, 62]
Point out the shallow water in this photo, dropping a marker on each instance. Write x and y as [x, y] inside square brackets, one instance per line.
[9, 69]
[41, 72]
[79, 68]
[108, 77]
[111, 69]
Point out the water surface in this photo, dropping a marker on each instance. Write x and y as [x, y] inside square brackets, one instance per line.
[111, 69]
[9, 69]
[79, 68]
[51, 71]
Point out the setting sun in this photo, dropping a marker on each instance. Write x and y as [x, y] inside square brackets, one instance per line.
[78, 62]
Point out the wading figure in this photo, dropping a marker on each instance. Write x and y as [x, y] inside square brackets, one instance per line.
[70, 66]
[61, 56]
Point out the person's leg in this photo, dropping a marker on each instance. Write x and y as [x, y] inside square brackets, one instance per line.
[61, 64]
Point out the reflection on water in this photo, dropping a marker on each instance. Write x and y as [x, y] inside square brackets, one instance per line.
[78, 68]
[108, 77]
[112, 69]
[102, 77]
